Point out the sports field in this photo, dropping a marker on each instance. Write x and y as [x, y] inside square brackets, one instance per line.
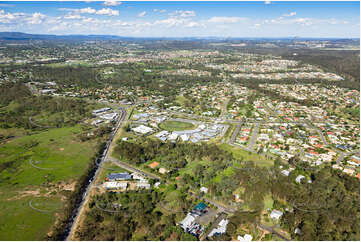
[176, 125]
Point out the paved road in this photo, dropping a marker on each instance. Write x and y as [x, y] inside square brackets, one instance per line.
[254, 136]
[132, 169]
[271, 230]
[221, 207]
[235, 133]
[273, 112]
[340, 158]
[86, 194]
[224, 107]
[310, 124]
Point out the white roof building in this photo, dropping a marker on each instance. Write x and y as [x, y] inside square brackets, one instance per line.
[162, 170]
[246, 237]
[187, 221]
[143, 184]
[173, 136]
[276, 214]
[109, 116]
[137, 176]
[299, 178]
[116, 185]
[221, 228]
[98, 121]
[204, 189]
[285, 172]
[162, 133]
[142, 129]
[184, 137]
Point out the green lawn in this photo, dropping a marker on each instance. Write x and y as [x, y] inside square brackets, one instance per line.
[31, 170]
[180, 100]
[268, 201]
[247, 156]
[107, 169]
[176, 125]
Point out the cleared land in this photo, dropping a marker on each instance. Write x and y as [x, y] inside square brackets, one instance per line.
[31, 198]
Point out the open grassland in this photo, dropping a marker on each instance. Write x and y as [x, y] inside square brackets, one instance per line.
[36, 174]
[176, 125]
[247, 156]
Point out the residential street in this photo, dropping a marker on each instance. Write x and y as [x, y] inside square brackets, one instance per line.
[253, 138]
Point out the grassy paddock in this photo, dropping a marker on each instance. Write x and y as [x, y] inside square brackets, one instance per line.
[58, 158]
[247, 156]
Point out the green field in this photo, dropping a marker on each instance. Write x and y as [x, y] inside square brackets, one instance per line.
[176, 125]
[248, 156]
[108, 168]
[36, 174]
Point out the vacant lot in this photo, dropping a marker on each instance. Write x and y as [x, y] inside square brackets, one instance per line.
[248, 156]
[176, 125]
[37, 172]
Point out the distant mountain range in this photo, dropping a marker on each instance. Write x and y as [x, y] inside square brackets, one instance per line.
[25, 36]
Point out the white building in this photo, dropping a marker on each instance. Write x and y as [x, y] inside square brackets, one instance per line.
[276, 214]
[142, 129]
[98, 121]
[187, 221]
[116, 185]
[246, 237]
[204, 189]
[143, 184]
[102, 110]
[109, 116]
[285, 172]
[184, 137]
[299, 178]
[173, 136]
[221, 228]
[137, 176]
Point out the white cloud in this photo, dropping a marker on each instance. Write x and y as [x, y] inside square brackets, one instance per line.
[159, 10]
[89, 10]
[227, 20]
[267, 2]
[170, 22]
[36, 18]
[193, 24]
[303, 21]
[21, 18]
[71, 16]
[86, 10]
[289, 14]
[107, 11]
[6, 18]
[111, 3]
[183, 13]
[142, 14]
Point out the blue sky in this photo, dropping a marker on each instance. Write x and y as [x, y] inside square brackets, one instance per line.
[184, 19]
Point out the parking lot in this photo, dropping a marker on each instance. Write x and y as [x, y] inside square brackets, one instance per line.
[206, 218]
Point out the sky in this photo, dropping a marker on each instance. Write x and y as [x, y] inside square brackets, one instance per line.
[273, 19]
